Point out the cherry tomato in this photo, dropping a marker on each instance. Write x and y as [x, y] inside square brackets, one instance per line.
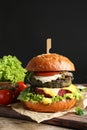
[51, 73]
[6, 97]
[21, 85]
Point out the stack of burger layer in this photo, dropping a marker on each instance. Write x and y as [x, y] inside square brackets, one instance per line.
[51, 90]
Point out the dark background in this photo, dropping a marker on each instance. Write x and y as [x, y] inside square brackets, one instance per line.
[25, 26]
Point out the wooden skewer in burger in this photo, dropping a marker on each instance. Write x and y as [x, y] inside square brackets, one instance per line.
[51, 89]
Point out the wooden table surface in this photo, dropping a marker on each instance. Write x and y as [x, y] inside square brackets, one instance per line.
[10, 119]
[16, 124]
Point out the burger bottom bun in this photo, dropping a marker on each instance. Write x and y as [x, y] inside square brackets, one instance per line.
[53, 107]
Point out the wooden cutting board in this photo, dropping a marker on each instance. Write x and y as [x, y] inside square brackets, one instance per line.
[69, 120]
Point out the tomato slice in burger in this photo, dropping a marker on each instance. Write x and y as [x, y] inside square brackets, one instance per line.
[51, 73]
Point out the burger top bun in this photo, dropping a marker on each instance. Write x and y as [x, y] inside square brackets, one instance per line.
[50, 62]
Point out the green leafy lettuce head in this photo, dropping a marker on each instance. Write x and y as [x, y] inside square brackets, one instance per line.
[11, 69]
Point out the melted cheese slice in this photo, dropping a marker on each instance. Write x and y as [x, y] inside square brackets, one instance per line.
[51, 91]
[54, 91]
[44, 79]
[71, 88]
